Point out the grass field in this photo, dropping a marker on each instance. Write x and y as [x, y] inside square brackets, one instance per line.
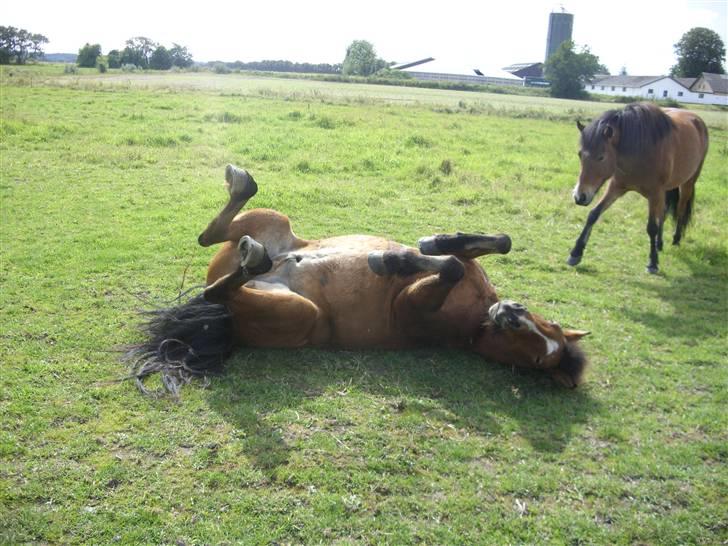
[104, 187]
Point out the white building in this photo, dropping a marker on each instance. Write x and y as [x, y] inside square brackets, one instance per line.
[707, 89]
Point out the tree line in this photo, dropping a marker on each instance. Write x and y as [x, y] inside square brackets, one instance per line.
[140, 52]
[283, 66]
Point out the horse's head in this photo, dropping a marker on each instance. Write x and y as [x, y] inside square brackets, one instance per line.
[527, 340]
[598, 155]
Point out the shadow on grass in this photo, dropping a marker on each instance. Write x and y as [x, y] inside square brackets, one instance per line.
[444, 387]
[698, 301]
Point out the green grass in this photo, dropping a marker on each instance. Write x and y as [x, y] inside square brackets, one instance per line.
[103, 191]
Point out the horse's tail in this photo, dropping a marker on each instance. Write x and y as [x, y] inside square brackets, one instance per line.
[190, 339]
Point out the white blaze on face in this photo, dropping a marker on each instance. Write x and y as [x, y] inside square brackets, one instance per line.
[551, 345]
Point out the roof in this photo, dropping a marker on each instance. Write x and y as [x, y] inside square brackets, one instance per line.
[520, 66]
[626, 81]
[459, 67]
[717, 82]
[685, 82]
[413, 63]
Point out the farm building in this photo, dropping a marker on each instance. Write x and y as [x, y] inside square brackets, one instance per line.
[707, 89]
[431, 69]
[525, 70]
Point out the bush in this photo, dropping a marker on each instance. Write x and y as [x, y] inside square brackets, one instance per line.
[221, 68]
[128, 67]
[669, 103]
[102, 68]
[70, 69]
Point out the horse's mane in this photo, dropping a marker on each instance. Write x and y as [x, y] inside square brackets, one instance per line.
[641, 126]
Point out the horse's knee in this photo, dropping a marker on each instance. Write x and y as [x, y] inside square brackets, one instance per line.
[653, 228]
[452, 270]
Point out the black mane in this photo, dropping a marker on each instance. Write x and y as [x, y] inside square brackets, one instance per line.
[191, 338]
[640, 125]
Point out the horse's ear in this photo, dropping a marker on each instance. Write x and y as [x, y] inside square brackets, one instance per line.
[580, 126]
[575, 335]
[608, 132]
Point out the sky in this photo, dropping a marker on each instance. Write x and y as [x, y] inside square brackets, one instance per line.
[463, 34]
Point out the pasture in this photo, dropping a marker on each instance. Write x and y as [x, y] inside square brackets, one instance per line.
[105, 184]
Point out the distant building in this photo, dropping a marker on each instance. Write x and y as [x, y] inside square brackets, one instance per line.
[560, 27]
[430, 69]
[525, 70]
[707, 89]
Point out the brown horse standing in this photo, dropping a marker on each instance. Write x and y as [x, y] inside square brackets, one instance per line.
[266, 287]
[656, 152]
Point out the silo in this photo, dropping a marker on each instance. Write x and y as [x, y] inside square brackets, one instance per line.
[560, 26]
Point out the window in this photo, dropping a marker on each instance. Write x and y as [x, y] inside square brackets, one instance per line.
[679, 93]
[612, 88]
[650, 91]
[701, 95]
[593, 86]
[624, 89]
[602, 88]
[664, 93]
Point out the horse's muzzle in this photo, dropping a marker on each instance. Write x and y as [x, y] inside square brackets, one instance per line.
[581, 198]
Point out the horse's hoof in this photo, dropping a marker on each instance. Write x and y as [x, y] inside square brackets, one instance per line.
[652, 269]
[253, 256]
[573, 260]
[240, 184]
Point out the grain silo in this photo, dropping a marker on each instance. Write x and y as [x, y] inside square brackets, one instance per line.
[560, 27]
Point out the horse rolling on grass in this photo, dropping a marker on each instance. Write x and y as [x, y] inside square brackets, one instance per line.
[657, 152]
[266, 287]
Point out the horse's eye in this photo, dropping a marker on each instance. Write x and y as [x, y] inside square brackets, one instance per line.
[539, 360]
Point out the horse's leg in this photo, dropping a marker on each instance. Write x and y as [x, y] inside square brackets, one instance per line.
[427, 294]
[254, 260]
[613, 193]
[656, 216]
[660, 230]
[265, 318]
[684, 207]
[464, 246]
[241, 187]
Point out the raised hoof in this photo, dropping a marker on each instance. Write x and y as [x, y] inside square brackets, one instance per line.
[573, 260]
[240, 184]
[253, 256]
[653, 269]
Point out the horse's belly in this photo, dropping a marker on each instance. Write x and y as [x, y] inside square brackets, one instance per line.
[355, 304]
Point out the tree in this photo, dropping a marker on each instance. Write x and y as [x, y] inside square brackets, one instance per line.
[113, 57]
[19, 45]
[568, 70]
[180, 56]
[88, 55]
[160, 59]
[138, 51]
[699, 50]
[361, 60]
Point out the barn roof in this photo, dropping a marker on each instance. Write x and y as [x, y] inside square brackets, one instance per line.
[717, 82]
[458, 67]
